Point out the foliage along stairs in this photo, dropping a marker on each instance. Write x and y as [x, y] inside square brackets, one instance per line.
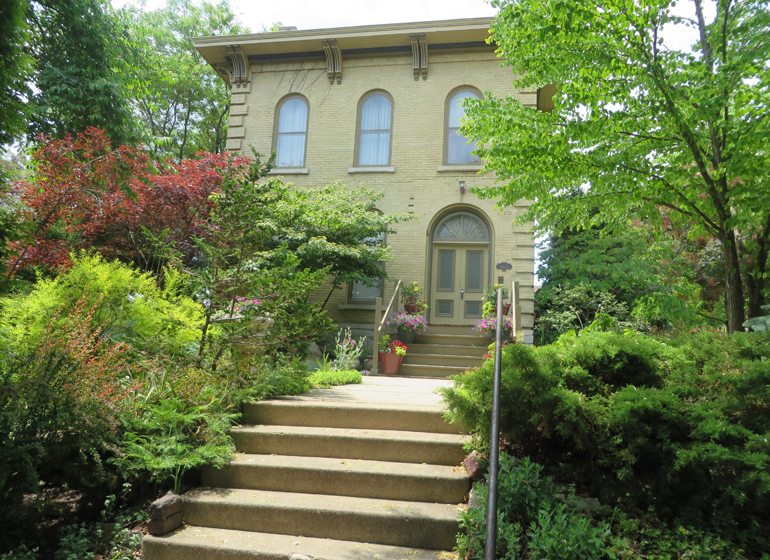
[443, 351]
[359, 471]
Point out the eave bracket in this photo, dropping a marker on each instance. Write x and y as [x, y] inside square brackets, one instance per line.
[238, 70]
[333, 60]
[419, 55]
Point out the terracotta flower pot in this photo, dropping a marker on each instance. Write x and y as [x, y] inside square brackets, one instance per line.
[390, 363]
[410, 307]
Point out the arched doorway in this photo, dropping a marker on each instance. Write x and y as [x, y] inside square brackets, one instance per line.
[460, 249]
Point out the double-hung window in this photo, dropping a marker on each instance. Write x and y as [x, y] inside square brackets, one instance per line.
[375, 121]
[458, 149]
[291, 132]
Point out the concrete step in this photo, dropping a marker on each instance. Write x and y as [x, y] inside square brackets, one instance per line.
[389, 522]
[343, 477]
[448, 349]
[287, 412]
[345, 443]
[451, 329]
[206, 543]
[417, 370]
[443, 360]
[454, 339]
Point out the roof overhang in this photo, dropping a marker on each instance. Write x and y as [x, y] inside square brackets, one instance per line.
[393, 37]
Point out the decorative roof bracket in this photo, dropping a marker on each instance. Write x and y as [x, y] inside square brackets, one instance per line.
[239, 70]
[333, 60]
[419, 55]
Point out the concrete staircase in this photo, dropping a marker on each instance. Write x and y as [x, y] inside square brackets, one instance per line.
[364, 471]
[444, 351]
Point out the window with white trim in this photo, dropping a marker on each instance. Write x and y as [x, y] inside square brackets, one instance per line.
[291, 132]
[375, 121]
[458, 149]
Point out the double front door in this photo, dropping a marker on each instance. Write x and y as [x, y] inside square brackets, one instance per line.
[459, 276]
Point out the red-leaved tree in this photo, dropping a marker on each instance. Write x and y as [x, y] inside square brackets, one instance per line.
[86, 194]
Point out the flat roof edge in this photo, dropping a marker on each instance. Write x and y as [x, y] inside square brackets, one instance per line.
[339, 32]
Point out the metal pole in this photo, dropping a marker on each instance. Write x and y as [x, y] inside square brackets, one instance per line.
[494, 439]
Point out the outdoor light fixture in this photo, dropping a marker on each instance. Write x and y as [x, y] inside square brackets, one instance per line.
[462, 188]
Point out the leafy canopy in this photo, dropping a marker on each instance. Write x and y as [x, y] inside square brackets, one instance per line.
[179, 102]
[647, 130]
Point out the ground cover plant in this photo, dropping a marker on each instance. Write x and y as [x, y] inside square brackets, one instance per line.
[331, 377]
[677, 429]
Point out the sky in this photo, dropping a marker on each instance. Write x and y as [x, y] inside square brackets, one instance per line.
[315, 14]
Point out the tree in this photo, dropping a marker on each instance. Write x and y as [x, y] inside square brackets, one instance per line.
[75, 50]
[647, 130]
[642, 280]
[180, 102]
[14, 68]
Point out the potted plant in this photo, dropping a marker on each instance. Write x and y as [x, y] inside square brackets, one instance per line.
[487, 326]
[490, 297]
[410, 297]
[408, 325]
[391, 355]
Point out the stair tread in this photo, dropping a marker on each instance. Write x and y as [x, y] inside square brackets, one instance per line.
[255, 545]
[437, 367]
[352, 433]
[323, 504]
[453, 356]
[302, 401]
[363, 466]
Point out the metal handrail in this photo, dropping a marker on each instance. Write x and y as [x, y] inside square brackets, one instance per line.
[383, 318]
[494, 436]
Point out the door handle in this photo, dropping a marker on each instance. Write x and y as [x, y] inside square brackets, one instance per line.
[462, 293]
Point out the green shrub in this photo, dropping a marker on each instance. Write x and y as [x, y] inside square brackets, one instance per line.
[332, 377]
[679, 429]
[534, 521]
[58, 408]
[125, 304]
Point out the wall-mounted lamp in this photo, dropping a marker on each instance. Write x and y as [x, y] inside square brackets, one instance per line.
[462, 189]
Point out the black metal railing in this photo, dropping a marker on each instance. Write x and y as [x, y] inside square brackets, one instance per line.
[494, 437]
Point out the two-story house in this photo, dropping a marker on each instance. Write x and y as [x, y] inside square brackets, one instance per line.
[380, 106]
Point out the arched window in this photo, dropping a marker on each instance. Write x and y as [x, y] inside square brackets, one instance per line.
[375, 120]
[459, 151]
[291, 132]
[461, 227]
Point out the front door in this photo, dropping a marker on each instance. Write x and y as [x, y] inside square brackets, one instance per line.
[459, 278]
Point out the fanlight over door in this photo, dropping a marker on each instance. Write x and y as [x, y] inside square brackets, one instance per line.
[459, 269]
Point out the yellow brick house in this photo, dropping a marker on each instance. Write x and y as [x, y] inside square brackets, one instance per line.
[379, 106]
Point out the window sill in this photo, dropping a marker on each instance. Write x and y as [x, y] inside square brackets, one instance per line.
[372, 169]
[356, 307]
[289, 171]
[454, 168]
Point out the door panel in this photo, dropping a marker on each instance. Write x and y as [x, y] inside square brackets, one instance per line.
[446, 270]
[459, 278]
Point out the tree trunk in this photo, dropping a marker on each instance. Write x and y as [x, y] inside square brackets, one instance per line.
[755, 279]
[736, 314]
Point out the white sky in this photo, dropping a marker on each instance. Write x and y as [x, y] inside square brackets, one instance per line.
[315, 14]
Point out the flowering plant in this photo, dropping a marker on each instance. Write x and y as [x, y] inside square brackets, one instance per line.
[392, 346]
[347, 350]
[410, 293]
[409, 322]
[487, 325]
[397, 347]
[245, 304]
